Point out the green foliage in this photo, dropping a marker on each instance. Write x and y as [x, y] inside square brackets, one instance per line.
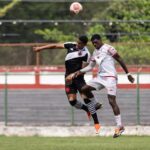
[129, 32]
[126, 11]
[45, 11]
[97, 28]
[134, 53]
[54, 35]
[7, 7]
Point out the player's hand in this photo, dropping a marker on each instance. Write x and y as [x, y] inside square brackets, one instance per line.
[76, 74]
[36, 49]
[130, 78]
[70, 77]
[73, 75]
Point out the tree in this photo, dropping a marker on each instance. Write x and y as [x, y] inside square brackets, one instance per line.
[116, 26]
[7, 7]
[45, 11]
[125, 11]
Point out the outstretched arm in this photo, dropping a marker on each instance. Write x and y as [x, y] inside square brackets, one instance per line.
[123, 65]
[81, 71]
[48, 46]
[88, 68]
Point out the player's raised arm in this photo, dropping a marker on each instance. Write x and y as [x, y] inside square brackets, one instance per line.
[123, 65]
[49, 46]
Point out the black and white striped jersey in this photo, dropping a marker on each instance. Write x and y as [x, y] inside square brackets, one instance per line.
[75, 57]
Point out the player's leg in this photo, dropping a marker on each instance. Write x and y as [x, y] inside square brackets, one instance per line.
[86, 89]
[115, 108]
[80, 83]
[91, 86]
[120, 128]
[75, 103]
[71, 92]
[97, 104]
[111, 90]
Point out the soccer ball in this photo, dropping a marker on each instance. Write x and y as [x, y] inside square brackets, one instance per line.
[76, 7]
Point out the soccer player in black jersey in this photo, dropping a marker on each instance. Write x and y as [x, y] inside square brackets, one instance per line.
[77, 53]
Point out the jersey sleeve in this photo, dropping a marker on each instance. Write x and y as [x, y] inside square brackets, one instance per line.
[112, 51]
[87, 57]
[69, 45]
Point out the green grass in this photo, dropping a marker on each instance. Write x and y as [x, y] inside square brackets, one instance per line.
[75, 143]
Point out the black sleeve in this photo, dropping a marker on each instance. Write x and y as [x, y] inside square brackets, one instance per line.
[85, 58]
[69, 45]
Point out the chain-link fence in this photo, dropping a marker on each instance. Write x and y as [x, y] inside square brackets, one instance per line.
[31, 105]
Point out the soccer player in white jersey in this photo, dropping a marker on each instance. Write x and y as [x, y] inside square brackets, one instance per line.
[77, 55]
[104, 56]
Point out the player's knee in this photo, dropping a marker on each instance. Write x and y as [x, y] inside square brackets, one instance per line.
[87, 92]
[73, 102]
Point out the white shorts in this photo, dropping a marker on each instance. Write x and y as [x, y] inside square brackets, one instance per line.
[100, 82]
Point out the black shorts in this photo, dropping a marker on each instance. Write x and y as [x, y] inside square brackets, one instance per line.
[75, 85]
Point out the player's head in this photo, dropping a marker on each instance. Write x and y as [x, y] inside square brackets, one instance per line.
[82, 41]
[96, 41]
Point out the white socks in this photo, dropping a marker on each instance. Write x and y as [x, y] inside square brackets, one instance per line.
[118, 120]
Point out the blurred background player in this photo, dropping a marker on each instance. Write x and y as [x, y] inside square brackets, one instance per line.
[77, 54]
[104, 56]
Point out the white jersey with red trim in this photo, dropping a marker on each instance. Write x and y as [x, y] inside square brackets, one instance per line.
[104, 60]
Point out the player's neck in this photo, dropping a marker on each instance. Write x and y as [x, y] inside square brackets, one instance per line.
[100, 45]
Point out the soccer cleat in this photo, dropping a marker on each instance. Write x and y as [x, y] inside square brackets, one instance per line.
[118, 131]
[97, 128]
[98, 106]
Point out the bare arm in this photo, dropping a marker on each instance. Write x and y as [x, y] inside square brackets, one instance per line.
[84, 64]
[121, 62]
[123, 65]
[49, 46]
[81, 71]
[89, 67]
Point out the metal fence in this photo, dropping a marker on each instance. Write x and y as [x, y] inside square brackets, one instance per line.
[50, 107]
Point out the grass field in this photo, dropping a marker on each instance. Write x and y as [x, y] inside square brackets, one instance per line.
[75, 143]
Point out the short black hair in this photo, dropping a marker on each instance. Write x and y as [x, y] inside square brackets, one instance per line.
[83, 39]
[96, 36]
